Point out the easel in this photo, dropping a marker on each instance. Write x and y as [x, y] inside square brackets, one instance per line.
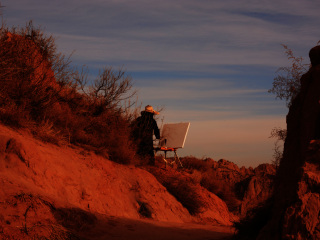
[167, 161]
[173, 137]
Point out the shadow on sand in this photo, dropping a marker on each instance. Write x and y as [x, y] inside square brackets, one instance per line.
[85, 225]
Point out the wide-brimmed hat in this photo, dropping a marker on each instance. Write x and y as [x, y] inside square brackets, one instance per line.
[149, 109]
[314, 56]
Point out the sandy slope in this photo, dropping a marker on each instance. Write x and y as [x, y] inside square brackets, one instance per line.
[48, 191]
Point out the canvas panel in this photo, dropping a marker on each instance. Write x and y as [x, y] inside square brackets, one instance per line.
[174, 135]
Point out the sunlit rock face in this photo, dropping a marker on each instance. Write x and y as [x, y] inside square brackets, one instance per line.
[296, 199]
[249, 187]
[259, 188]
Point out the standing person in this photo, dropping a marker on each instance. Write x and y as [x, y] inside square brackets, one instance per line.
[145, 127]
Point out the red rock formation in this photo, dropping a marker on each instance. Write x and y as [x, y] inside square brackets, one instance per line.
[259, 188]
[296, 198]
[242, 188]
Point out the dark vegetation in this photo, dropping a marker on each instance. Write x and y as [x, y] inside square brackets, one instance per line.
[41, 92]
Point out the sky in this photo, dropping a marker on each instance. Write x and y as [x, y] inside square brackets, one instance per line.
[207, 62]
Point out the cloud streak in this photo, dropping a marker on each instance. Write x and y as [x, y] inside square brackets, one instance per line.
[209, 62]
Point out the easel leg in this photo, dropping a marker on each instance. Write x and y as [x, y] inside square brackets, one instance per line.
[177, 157]
[165, 158]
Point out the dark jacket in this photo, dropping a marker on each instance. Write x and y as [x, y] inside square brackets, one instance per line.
[145, 126]
[143, 129]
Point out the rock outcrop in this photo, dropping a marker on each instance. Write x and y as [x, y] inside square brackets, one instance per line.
[296, 198]
[243, 189]
[252, 187]
[259, 188]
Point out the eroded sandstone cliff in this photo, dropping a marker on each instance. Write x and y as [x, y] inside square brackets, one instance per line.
[295, 211]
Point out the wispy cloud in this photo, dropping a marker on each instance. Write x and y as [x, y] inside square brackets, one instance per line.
[186, 92]
[209, 62]
[175, 32]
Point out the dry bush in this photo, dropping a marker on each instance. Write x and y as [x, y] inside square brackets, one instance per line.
[196, 176]
[120, 147]
[286, 85]
[39, 91]
[47, 133]
[182, 188]
[192, 163]
[14, 116]
[27, 78]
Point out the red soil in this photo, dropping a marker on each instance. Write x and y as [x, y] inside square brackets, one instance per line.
[66, 192]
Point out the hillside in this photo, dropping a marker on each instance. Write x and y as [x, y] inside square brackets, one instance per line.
[44, 186]
[69, 168]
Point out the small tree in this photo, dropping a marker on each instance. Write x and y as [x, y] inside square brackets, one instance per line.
[286, 85]
[280, 135]
[109, 89]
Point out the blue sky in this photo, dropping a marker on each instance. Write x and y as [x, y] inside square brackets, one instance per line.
[207, 62]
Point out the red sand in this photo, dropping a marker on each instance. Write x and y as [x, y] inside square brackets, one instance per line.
[39, 179]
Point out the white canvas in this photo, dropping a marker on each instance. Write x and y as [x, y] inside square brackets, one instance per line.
[173, 135]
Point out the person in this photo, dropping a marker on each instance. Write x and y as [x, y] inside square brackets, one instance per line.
[144, 127]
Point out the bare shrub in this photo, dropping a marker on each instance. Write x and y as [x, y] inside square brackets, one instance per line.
[286, 85]
[109, 89]
[40, 91]
[47, 133]
[280, 135]
[14, 116]
[191, 163]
